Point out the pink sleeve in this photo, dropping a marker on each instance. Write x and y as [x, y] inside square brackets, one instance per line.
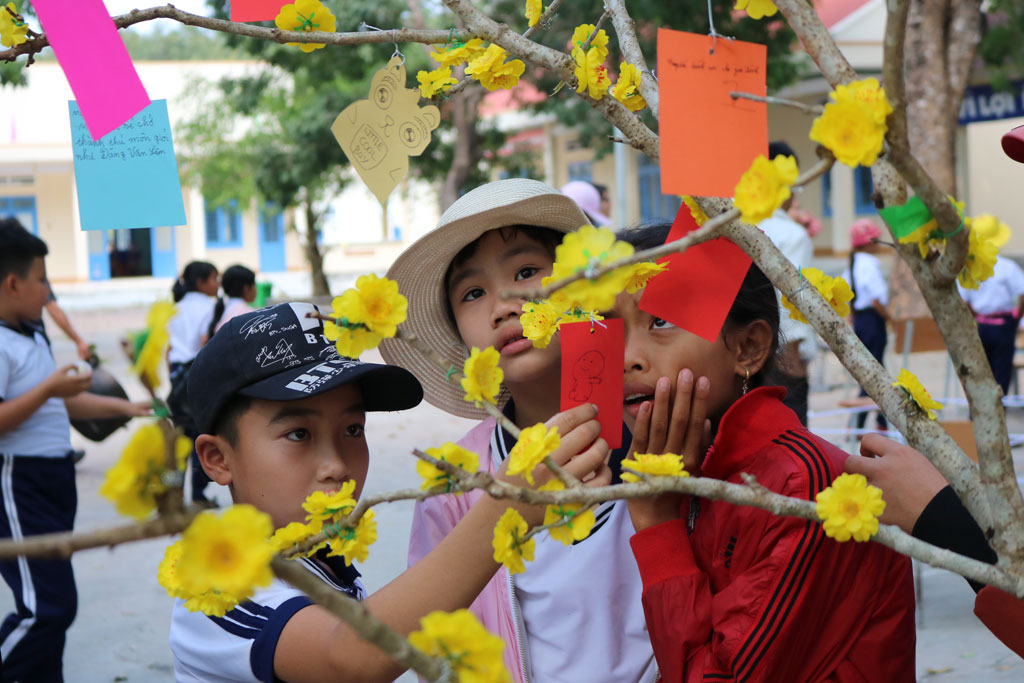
[432, 520]
[230, 313]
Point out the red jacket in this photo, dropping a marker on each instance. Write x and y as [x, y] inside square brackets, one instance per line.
[748, 596]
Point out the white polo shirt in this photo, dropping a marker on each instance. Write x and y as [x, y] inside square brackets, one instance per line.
[25, 362]
[868, 281]
[189, 324]
[240, 646]
[792, 240]
[1001, 292]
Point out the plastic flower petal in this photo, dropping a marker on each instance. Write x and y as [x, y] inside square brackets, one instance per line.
[991, 228]
[511, 547]
[12, 31]
[493, 72]
[584, 31]
[540, 322]
[167, 572]
[981, 260]
[151, 356]
[437, 81]
[228, 553]
[384, 309]
[869, 93]
[764, 187]
[916, 393]
[473, 653]
[287, 537]
[306, 16]
[757, 9]
[583, 251]
[535, 443]
[665, 465]
[459, 54]
[533, 10]
[850, 508]
[452, 453]
[591, 73]
[483, 377]
[213, 603]
[326, 506]
[627, 88]
[136, 479]
[835, 290]
[353, 543]
[576, 524]
[641, 273]
[849, 129]
[698, 213]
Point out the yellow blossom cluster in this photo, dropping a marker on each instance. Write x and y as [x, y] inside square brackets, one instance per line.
[567, 522]
[853, 124]
[627, 88]
[473, 653]
[12, 31]
[306, 16]
[535, 443]
[764, 187]
[757, 9]
[916, 393]
[981, 260]
[850, 508]
[698, 213]
[365, 314]
[437, 81]
[534, 8]
[220, 560]
[835, 290]
[591, 73]
[488, 65]
[326, 511]
[134, 482]
[583, 251]
[150, 357]
[454, 454]
[665, 465]
[482, 376]
[511, 546]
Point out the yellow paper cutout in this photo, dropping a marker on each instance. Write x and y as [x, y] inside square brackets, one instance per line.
[379, 134]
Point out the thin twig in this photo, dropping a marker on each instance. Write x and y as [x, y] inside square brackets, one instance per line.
[625, 30]
[813, 110]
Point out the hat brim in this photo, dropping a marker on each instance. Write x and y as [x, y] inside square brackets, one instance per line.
[384, 387]
[420, 270]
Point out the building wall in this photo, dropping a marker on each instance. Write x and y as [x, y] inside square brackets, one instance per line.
[993, 180]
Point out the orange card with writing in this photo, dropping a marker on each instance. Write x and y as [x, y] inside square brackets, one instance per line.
[708, 139]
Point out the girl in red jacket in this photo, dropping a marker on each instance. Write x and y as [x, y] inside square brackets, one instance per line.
[734, 593]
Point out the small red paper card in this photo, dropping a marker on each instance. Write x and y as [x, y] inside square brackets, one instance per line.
[593, 354]
[708, 139]
[700, 285]
[256, 10]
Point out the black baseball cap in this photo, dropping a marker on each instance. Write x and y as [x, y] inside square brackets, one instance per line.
[280, 354]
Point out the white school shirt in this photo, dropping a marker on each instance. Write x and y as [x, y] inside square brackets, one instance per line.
[25, 362]
[792, 240]
[1001, 292]
[240, 646]
[189, 324]
[581, 604]
[869, 280]
[234, 306]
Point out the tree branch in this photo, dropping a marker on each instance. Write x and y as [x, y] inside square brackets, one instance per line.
[625, 29]
[805, 108]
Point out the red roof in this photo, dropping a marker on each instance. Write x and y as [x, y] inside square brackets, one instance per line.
[509, 100]
[834, 11]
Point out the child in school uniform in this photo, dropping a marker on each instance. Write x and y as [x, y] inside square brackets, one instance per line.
[276, 433]
[195, 295]
[239, 285]
[733, 592]
[37, 401]
[575, 613]
[870, 303]
[997, 304]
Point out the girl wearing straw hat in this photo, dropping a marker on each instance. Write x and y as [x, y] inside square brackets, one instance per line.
[576, 613]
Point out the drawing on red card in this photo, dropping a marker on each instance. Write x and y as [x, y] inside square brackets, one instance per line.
[586, 372]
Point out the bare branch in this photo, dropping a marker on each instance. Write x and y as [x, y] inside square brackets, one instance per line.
[625, 29]
[805, 108]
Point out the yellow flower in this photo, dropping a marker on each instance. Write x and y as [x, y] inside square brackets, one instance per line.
[167, 572]
[433, 82]
[354, 543]
[583, 31]
[591, 73]
[698, 213]
[848, 128]
[228, 553]
[869, 93]
[627, 88]
[991, 228]
[287, 537]
[305, 16]
[383, 309]
[757, 9]
[482, 380]
[450, 453]
[850, 507]
[584, 250]
[511, 547]
[133, 483]
[151, 356]
[493, 72]
[666, 465]
[540, 322]
[641, 273]
[351, 341]
[459, 54]
[927, 236]
[916, 393]
[473, 653]
[212, 602]
[534, 8]
[535, 443]
[836, 291]
[576, 525]
[981, 260]
[12, 31]
[324, 506]
[764, 187]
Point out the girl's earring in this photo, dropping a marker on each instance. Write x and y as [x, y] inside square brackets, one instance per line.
[746, 381]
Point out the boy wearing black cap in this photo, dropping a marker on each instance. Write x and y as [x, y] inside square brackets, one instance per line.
[280, 416]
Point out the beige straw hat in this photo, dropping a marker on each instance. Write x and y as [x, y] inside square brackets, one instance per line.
[420, 270]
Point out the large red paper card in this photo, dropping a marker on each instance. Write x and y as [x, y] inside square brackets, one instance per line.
[592, 363]
[708, 139]
[256, 10]
[700, 285]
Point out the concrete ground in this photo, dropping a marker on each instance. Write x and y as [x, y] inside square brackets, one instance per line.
[122, 626]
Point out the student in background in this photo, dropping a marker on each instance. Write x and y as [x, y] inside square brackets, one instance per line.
[239, 285]
[997, 304]
[588, 198]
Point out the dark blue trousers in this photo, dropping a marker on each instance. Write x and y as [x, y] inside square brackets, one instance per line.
[869, 326]
[39, 497]
[1000, 342]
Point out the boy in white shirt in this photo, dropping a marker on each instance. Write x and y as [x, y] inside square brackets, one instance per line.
[997, 304]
